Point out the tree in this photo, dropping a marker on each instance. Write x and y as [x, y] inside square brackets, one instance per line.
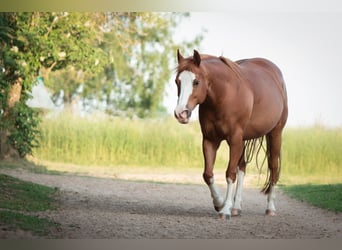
[29, 43]
[121, 60]
[141, 53]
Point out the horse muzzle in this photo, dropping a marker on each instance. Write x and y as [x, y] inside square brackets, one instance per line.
[182, 114]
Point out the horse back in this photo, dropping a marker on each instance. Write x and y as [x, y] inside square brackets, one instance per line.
[261, 65]
[260, 71]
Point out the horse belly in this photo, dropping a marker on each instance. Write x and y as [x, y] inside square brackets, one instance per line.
[259, 128]
[266, 114]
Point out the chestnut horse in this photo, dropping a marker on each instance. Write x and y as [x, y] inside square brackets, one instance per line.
[238, 102]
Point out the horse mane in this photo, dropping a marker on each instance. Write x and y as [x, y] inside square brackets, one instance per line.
[232, 65]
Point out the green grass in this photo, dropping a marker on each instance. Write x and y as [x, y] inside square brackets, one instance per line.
[20, 198]
[324, 196]
[36, 225]
[309, 155]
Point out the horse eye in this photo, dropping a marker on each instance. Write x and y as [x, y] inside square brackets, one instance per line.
[195, 82]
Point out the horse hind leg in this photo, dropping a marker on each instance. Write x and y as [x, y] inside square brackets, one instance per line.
[273, 159]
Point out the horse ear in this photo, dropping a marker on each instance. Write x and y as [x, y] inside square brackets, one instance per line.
[197, 58]
[179, 56]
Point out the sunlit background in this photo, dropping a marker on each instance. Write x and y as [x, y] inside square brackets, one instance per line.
[307, 47]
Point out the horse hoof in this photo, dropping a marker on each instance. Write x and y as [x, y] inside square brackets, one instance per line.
[226, 216]
[270, 212]
[217, 209]
[236, 212]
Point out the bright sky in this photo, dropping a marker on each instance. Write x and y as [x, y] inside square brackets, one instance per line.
[306, 46]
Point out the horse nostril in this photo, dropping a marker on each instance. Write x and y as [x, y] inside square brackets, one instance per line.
[184, 114]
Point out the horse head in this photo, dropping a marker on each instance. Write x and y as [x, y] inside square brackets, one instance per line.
[192, 85]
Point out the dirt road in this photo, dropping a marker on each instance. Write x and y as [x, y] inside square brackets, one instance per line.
[99, 208]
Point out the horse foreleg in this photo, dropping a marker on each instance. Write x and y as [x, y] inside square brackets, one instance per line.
[236, 210]
[235, 152]
[215, 194]
[209, 152]
[225, 211]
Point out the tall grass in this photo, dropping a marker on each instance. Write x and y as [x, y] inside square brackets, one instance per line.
[314, 153]
[112, 142]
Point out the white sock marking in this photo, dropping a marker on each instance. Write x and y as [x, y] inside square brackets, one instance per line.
[270, 199]
[215, 194]
[229, 198]
[239, 187]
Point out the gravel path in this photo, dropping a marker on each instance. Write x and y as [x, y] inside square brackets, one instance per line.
[99, 208]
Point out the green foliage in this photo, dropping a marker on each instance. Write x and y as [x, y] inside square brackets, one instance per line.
[3, 100]
[55, 40]
[141, 55]
[323, 196]
[31, 42]
[25, 134]
[34, 41]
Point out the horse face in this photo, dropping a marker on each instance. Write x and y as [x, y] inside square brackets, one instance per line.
[191, 91]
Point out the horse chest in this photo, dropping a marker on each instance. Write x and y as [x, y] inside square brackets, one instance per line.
[215, 129]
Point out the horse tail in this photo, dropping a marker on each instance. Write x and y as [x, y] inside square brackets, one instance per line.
[252, 148]
[268, 183]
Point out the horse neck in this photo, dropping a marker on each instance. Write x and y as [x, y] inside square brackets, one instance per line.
[224, 83]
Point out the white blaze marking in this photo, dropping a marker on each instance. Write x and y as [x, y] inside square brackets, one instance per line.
[186, 78]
